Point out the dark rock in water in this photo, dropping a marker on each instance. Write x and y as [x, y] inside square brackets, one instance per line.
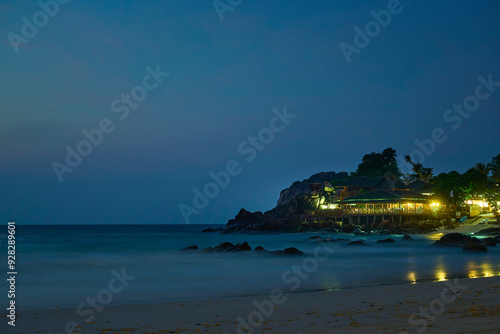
[474, 247]
[489, 231]
[407, 237]
[224, 247]
[292, 251]
[349, 228]
[386, 241]
[316, 237]
[190, 248]
[242, 247]
[490, 242]
[356, 243]
[468, 243]
[279, 219]
[213, 229]
[208, 250]
[454, 239]
[244, 221]
[229, 247]
[328, 239]
[287, 251]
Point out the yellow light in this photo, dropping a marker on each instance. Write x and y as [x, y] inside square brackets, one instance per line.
[435, 204]
[412, 277]
[487, 269]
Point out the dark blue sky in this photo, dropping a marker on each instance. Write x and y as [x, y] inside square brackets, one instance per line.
[225, 79]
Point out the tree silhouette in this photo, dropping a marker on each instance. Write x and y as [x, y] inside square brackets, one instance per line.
[421, 173]
[494, 168]
[379, 164]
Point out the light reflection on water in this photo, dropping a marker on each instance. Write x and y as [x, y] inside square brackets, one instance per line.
[77, 262]
[474, 269]
[440, 270]
[483, 269]
[412, 277]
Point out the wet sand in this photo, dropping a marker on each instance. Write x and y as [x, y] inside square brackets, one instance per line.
[453, 306]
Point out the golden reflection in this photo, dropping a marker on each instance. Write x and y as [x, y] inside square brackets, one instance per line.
[440, 270]
[412, 277]
[485, 269]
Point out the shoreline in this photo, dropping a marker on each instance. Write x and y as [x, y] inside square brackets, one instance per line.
[258, 295]
[386, 308]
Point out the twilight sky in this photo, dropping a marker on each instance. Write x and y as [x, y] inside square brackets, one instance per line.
[225, 78]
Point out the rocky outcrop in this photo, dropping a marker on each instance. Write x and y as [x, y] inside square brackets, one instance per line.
[492, 231]
[297, 211]
[490, 242]
[190, 248]
[468, 243]
[454, 240]
[474, 247]
[356, 243]
[386, 241]
[284, 218]
[213, 230]
[287, 251]
[299, 188]
[406, 237]
[227, 247]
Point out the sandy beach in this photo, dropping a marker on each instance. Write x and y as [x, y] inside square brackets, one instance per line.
[452, 306]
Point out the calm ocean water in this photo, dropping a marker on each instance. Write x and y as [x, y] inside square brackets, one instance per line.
[63, 265]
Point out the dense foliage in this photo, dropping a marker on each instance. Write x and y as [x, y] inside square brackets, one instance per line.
[379, 164]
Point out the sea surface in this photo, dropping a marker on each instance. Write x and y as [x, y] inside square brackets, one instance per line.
[64, 265]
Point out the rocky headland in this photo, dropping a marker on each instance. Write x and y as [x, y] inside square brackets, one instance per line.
[297, 208]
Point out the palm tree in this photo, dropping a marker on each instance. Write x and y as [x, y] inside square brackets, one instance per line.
[422, 173]
[426, 173]
[494, 168]
[482, 168]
